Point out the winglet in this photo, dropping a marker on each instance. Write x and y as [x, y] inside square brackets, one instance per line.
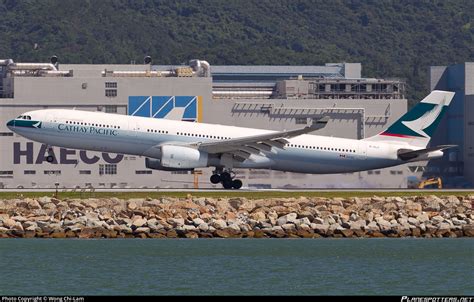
[319, 124]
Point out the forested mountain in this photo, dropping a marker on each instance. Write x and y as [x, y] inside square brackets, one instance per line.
[390, 38]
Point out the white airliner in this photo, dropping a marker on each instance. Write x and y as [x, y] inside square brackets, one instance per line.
[175, 145]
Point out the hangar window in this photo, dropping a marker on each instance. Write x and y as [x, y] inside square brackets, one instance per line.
[111, 109]
[301, 121]
[143, 171]
[338, 87]
[110, 92]
[85, 172]
[110, 84]
[107, 169]
[6, 133]
[6, 172]
[29, 172]
[52, 172]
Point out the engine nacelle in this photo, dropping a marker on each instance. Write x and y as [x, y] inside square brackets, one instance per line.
[178, 157]
[155, 164]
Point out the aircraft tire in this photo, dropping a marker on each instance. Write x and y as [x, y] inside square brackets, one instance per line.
[215, 179]
[49, 158]
[226, 177]
[236, 184]
[227, 184]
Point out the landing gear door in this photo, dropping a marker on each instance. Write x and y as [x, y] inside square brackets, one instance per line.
[362, 150]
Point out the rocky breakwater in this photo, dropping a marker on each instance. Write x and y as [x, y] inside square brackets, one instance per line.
[428, 216]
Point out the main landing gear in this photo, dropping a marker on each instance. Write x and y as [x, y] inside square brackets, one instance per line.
[227, 180]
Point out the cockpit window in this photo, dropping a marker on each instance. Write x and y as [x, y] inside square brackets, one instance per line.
[24, 117]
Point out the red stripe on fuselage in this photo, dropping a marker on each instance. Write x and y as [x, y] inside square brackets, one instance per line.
[397, 135]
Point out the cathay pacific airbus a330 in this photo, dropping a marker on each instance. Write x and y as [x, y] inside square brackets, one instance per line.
[175, 145]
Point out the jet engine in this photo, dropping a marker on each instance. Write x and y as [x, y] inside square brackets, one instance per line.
[155, 164]
[179, 157]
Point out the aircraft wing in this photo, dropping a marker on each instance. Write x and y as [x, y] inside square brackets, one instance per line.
[243, 147]
[407, 154]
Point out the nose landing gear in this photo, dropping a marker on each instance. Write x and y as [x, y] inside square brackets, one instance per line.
[50, 156]
[227, 179]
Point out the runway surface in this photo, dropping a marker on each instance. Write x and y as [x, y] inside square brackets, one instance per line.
[355, 190]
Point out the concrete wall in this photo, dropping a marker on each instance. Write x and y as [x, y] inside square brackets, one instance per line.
[457, 165]
[469, 123]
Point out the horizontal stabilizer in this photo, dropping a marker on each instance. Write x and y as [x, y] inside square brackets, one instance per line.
[407, 154]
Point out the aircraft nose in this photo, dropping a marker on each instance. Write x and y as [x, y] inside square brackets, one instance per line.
[11, 124]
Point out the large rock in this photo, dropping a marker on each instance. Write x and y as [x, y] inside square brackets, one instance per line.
[468, 230]
[390, 206]
[432, 204]
[125, 229]
[357, 225]
[188, 228]
[236, 203]
[437, 219]
[318, 220]
[413, 209]
[132, 206]
[373, 226]
[33, 204]
[423, 217]
[73, 205]
[258, 216]
[289, 218]
[19, 219]
[198, 221]
[346, 233]
[176, 222]
[234, 227]
[444, 226]
[456, 221]
[384, 225]
[44, 200]
[154, 203]
[277, 229]
[451, 201]
[304, 220]
[9, 223]
[139, 222]
[203, 227]
[28, 224]
[218, 224]
[306, 214]
[289, 227]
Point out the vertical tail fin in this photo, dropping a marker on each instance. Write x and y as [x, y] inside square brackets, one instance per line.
[417, 125]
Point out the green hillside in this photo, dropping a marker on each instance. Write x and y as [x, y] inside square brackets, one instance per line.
[390, 38]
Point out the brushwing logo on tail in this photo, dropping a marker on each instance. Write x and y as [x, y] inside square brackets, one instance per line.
[426, 120]
[420, 122]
